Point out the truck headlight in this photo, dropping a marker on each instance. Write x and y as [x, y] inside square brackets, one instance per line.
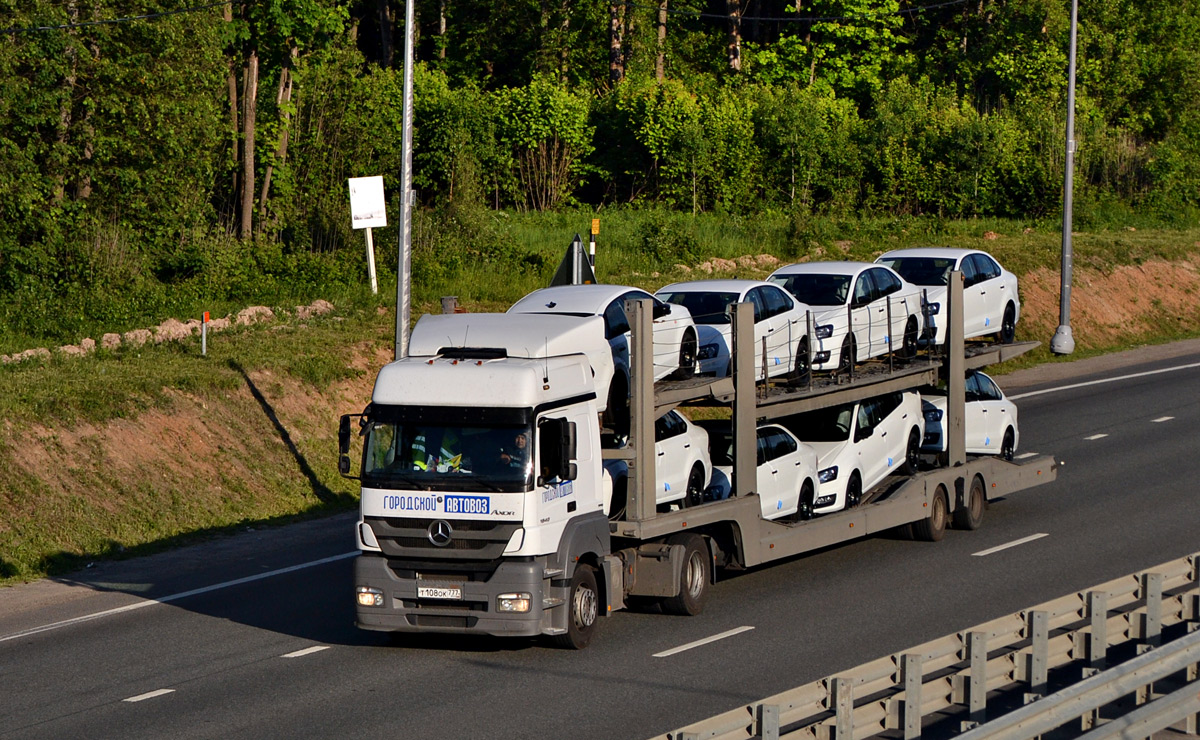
[933, 415]
[367, 596]
[709, 351]
[827, 474]
[513, 603]
[824, 331]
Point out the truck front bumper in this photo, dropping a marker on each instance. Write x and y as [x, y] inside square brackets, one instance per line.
[475, 613]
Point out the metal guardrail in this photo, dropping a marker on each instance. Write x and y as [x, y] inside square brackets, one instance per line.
[1015, 655]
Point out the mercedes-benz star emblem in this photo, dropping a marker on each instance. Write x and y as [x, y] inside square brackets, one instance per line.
[440, 533]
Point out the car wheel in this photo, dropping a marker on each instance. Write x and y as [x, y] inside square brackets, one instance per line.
[908, 350]
[912, 453]
[695, 487]
[616, 415]
[801, 371]
[1008, 326]
[853, 491]
[583, 604]
[933, 527]
[969, 516]
[687, 356]
[693, 578]
[848, 357]
[804, 510]
[1008, 447]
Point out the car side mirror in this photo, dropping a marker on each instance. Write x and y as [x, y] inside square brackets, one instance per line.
[661, 309]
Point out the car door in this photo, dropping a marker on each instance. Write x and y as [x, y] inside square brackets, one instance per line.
[785, 331]
[776, 481]
[672, 448]
[974, 306]
[988, 402]
[992, 292]
[764, 329]
[860, 315]
[887, 297]
[869, 444]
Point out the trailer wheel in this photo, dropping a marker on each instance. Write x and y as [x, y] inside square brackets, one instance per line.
[912, 453]
[1008, 325]
[1008, 447]
[584, 605]
[933, 527]
[693, 579]
[695, 487]
[969, 516]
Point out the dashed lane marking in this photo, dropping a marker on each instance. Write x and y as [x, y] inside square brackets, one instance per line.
[306, 651]
[1095, 437]
[1103, 380]
[1161, 419]
[1007, 545]
[149, 695]
[705, 641]
[1027, 454]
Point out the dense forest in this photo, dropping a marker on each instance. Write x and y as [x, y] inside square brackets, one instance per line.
[153, 151]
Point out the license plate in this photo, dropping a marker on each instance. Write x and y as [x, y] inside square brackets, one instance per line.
[438, 592]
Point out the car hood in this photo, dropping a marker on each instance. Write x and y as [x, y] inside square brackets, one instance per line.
[828, 453]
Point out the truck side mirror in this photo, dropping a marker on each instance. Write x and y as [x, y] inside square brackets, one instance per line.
[344, 435]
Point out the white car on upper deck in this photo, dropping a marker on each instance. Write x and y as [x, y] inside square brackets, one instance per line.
[991, 303]
[861, 293]
[778, 319]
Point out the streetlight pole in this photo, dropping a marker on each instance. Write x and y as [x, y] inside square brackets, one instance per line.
[1063, 343]
[404, 279]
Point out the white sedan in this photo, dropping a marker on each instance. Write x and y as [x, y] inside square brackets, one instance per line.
[991, 419]
[786, 475]
[859, 444]
[674, 332]
[991, 304]
[858, 293]
[778, 318]
[682, 466]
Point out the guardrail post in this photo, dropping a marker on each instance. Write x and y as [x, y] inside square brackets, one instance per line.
[911, 673]
[977, 688]
[762, 391]
[1151, 630]
[1191, 600]
[808, 320]
[841, 695]
[850, 330]
[1037, 627]
[767, 719]
[1097, 604]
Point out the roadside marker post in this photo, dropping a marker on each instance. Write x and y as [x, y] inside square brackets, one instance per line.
[592, 241]
[368, 209]
[204, 335]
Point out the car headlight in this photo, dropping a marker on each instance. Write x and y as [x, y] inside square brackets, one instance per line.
[709, 351]
[825, 331]
[827, 474]
[933, 415]
[932, 309]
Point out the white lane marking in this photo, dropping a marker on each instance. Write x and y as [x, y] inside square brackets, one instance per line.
[149, 695]
[306, 651]
[1104, 380]
[175, 597]
[705, 641]
[1095, 437]
[1161, 419]
[1007, 545]
[1027, 454]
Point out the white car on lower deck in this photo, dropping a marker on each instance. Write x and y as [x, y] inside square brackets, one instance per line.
[990, 421]
[991, 303]
[859, 444]
[786, 476]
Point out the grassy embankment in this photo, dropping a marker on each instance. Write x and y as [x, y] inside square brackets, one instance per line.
[137, 449]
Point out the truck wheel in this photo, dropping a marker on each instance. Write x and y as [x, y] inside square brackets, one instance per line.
[584, 609]
[853, 491]
[801, 371]
[908, 350]
[1008, 325]
[933, 527]
[1008, 447]
[693, 579]
[969, 516]
[912, 453]
[695, 487]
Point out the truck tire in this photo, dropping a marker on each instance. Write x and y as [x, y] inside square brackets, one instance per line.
[969, 516]
[583, 604]
[933, 527]
[695, 487]
[693, 578]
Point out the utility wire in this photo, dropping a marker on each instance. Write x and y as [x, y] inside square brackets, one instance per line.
[800, 19]
[115, 21]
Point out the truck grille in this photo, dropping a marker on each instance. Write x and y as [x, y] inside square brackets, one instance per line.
[469, 539]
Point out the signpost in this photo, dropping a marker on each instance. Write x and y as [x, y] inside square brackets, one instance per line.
[368, 209]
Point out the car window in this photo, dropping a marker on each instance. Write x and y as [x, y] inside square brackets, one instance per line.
[780, 444]
[986, 388]
[816, 290]
[755, 296]
[615, 323]
[777, 301]
[823, 425]
[970, 271]
[885, 282]
[866, 420]
[986, 266]
[762, 446]
[921, 270]
[706, 308]
[669, 425]
[972, 392]
[884, 406]
[864, 289]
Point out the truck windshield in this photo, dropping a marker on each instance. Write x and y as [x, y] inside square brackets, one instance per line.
[449, 454]
[921, 270]
[823, 425]
[816, 290]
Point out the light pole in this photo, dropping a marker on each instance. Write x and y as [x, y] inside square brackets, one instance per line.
[1063, 343]
[404, 279]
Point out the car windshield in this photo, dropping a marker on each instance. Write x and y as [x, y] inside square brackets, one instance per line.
[447, 455]
[921, 270]
[705, 307]
[816, 290]
[823, 425]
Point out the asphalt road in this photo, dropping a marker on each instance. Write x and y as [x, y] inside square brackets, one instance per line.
[167, 646]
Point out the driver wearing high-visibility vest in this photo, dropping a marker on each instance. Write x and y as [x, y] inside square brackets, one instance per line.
[448, 459]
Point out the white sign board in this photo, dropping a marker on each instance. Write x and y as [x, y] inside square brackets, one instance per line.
[368, 209]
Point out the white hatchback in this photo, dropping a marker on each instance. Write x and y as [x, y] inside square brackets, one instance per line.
[786, 475]
[778, 319]
[991, 304]
[859, 444]
[860, 294]
[682, 466]
[990, 419]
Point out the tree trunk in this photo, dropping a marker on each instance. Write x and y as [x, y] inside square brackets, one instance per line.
[628, 48]
[83, 186]
[616, 60]
[233, 112]
[735, 34]
[283, 99]
[62, 133]
[387, 24]
[441, 29]
[564, 52]
[249, 115]
[660, 57]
